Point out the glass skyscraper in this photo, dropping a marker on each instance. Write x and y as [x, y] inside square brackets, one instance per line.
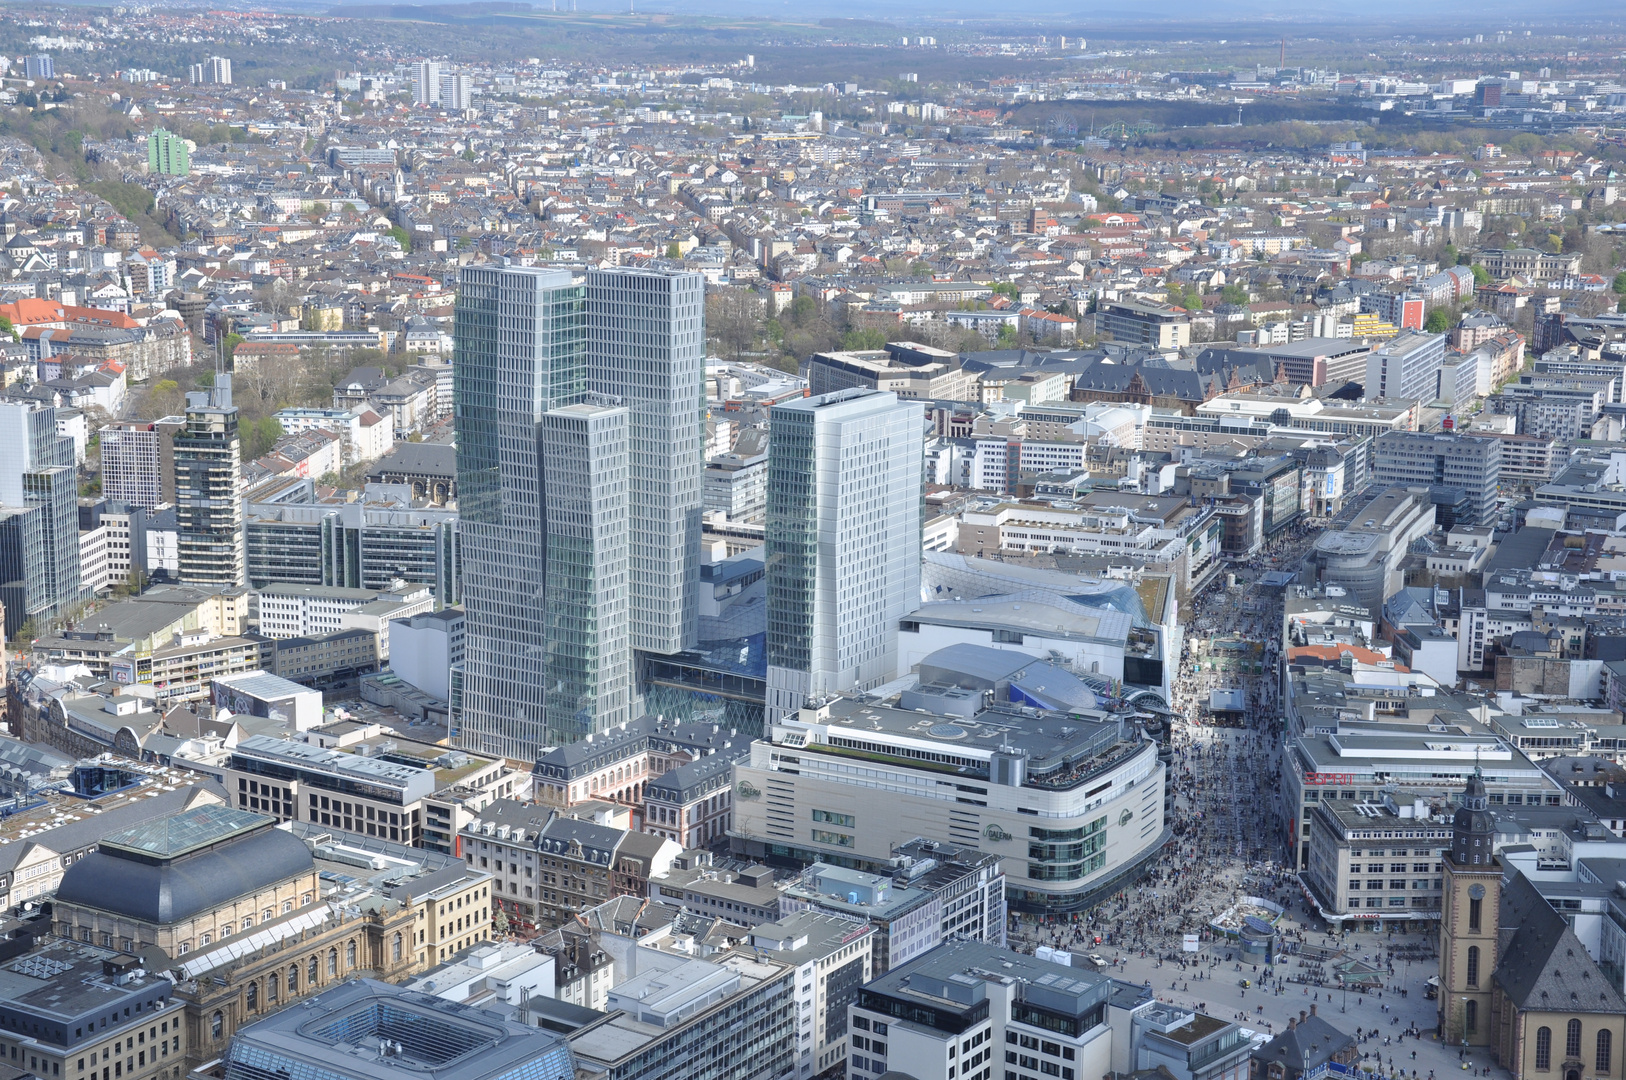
[519, 334]
[845, 504]
[646, 345]
[580, 423]
[39, 515]
[589, 657]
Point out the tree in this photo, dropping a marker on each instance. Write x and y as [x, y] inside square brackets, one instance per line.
[401, 237]
[1619, 286]
[674, 250]
[7, 328]
[868, 338]
[259, 436]
[734, 321]
[1481, 275]
[1439, 321]
[163, 398]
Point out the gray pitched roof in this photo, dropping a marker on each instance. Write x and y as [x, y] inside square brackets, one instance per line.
[1542, 964]
[1310, 1042]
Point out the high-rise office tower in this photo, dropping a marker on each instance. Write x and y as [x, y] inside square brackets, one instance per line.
[39, 515]
[580, 428]
[40, 67]
[138, 461]
[646, 344]
[426, 83]
[589, 656]
[845, 503]
[209, 490]
[520, 334]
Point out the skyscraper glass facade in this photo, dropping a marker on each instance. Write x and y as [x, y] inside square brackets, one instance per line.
[38, 485]
[646, 345]
[580, 421]
[589, 666]
[520, 337]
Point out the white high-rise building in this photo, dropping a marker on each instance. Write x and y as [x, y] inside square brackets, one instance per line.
[426, 83]
[456, 92]
[138, 461]
[845, 473]
[646, 345]
[217, 70]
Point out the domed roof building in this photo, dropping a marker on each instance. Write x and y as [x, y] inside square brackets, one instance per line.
[185, 880]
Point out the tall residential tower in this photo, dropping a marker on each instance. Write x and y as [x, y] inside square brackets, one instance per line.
[845, 507]
[209, 490]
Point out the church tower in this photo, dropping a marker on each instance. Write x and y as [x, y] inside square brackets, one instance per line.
[1470, 906]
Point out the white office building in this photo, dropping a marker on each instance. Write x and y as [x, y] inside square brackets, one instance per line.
[1405, 368]
[843, 550]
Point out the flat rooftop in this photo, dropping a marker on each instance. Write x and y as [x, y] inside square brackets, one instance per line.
[340, 1031]
[1049, 739]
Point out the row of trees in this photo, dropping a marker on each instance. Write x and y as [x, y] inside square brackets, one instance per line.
[740, 327]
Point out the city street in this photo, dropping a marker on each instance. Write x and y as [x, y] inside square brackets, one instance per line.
[1227, 846]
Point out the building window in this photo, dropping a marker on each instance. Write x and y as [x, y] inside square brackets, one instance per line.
[293, 979]
[272, 985]
[395, 948]
[1544, 1048]
[1473, 965]
[1572, 1039]
[1604, 1047]
[1473, 914]
[333, 961]
[216, 1022]
[251, 996]
[350, 956]
[1470, 1018]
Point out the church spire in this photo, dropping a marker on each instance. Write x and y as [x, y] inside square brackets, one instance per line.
[1473, 829]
